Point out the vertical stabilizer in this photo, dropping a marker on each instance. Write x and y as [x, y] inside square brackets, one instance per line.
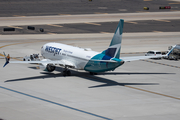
[115, 45]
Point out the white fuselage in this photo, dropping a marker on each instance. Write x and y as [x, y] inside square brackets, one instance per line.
[74, 56]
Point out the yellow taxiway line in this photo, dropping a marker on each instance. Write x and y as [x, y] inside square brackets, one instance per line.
[130, 22]
[16, 27]
[92, 23]
[162, 20]
[54, 25]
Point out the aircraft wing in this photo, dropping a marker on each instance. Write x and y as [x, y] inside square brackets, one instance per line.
[110, 61]
[38, 62]
[44, 62]
[54, 62]
[133, 58]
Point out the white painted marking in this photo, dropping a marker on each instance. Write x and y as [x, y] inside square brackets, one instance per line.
[102, 7]
[122, 9]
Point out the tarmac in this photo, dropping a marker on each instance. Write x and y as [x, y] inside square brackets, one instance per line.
[73, 7]
[138, 90]
[155, 25]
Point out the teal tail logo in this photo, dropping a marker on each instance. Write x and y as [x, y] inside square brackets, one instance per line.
[115, 45]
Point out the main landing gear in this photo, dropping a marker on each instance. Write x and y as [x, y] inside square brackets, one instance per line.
[66, 72]
[92, 73]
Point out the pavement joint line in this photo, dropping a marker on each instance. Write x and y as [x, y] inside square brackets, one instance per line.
[152, 92]
[92, 23]
[54, 25]
[160, 63]
[55, 103]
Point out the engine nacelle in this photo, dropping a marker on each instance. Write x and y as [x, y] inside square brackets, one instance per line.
[50, 68]
[47, 67]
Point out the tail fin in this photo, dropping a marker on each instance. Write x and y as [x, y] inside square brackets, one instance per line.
[115, 45]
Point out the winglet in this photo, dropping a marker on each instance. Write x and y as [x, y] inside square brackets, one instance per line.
[7, 59]
[170, 50]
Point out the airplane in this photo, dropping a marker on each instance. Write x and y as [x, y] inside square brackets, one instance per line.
[82, 59]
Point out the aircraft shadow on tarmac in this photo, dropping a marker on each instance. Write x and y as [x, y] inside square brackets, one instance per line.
[106, 82]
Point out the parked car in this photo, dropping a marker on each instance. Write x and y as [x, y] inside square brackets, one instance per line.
[154, 53]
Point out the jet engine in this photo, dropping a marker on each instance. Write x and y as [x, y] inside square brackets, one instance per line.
[47, 67]
[50, 68]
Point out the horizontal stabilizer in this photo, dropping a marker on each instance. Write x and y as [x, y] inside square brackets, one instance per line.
[128, 59]
[110, 61]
